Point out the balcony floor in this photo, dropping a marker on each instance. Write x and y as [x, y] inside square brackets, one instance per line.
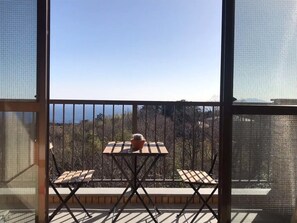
[137, 214]
[133, 214]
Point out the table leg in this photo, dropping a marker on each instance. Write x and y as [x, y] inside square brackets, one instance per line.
[134, 191]
[150, 199]
[118, 201]
[137, 171]
[142, 180]
[134, 183]
[131, 184]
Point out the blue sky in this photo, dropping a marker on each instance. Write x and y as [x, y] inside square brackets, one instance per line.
[135, 49]
[150, 49]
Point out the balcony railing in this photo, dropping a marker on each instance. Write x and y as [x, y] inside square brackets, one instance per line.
[81, 129]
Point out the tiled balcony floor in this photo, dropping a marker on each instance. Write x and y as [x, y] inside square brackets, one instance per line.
[136, 214]
[133, 214]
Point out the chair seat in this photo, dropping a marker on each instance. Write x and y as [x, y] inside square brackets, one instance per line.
[78, 176]
[196, 177]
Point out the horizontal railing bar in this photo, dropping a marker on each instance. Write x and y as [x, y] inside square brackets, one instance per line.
[250, 181]
[176, 180]
[146, 180]
[120, 102]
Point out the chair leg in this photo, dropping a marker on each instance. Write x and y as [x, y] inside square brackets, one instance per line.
[60, 206]
[82, 206]
[188, 202]
[186, 205]
[205, 203]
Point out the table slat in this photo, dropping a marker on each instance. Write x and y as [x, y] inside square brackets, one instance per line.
[162, 148]
[127, 145]
[145, 148]
[118, 147]
[153, 147]
[108, 149]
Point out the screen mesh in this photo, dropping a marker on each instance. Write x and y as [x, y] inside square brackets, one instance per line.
[18, 46]
[264, 164]
[265, 55]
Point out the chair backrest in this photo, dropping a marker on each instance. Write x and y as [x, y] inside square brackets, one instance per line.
[210, 172]
[51, 147]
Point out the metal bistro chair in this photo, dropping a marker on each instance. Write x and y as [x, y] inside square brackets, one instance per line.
[73, 180]
[196, 179]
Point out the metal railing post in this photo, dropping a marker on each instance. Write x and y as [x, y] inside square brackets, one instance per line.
[134, 119]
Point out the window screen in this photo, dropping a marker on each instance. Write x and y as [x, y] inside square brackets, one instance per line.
[18, 41]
